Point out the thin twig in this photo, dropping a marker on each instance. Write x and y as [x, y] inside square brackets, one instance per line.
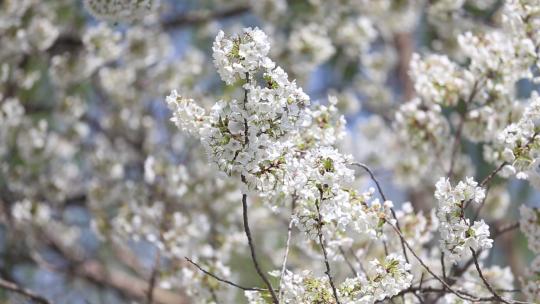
[357, 259]
[287, 247]
[443, 266]
[487, 180]
[486, 283]
[321, 241]
[224, 280]
[368, 170]
[479, 209]
[455, 145]
[344, 255]
[23, 291]
[252, 248]
[381, 193]
[457, 138]
[492, 174]
[429, 269]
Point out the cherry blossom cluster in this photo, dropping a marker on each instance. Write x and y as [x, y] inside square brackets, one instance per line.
[261, 139]
[250, 136]
[520, 142]
[382, 279]
[458, 234]
[444, 89]
[439, 80]
[417, 228]
[530, 226]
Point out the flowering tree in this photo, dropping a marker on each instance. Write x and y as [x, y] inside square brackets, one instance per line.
[305, 152]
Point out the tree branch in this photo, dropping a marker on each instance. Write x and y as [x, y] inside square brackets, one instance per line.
[368, 170]
[379, 188]
[486, 283]
[321, 241]
[252, 248]
[446, 285]
[223, 280]
[287, 247]
[23, 291]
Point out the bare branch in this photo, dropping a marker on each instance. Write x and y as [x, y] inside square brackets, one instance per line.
[457, 137]
[486, 283]
[446, 285]
[344, 255]
[252, 248]
[23, 291]
[488, 178]
[287, 247]
[379, 188]
[368, 170]
[321, 241]
[224, 280]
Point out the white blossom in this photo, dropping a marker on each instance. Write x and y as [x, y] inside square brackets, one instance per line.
[119, 10]
[458, 234]
[438, 80]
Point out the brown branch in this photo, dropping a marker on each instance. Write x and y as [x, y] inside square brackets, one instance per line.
[128, 258]
[443, 267]
[488, 178]
[23, 291]
[404, 47]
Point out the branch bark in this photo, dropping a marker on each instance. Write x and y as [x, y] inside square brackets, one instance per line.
[404, 47]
